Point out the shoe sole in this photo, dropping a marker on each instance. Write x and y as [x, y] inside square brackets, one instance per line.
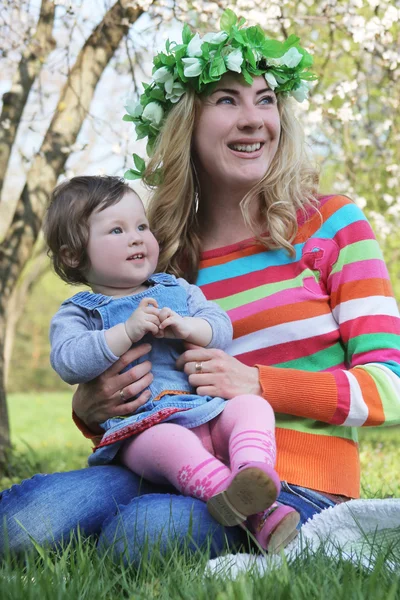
[250, 492]
[283, 533]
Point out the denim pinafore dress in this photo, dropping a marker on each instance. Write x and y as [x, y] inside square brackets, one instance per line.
[172, 398]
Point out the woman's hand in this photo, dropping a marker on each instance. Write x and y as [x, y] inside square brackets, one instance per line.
[215, 373]
[105, 397]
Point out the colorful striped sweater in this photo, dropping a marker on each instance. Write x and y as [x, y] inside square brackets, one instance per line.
[324, 330]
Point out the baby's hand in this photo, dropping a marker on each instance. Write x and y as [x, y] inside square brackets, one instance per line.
[145, 319]
[172, 325]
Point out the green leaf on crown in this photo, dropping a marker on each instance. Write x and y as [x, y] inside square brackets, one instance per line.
[248, 78]
[139, 162]
[131, 174]
[228, 20]
[217, 67]
[187, 34]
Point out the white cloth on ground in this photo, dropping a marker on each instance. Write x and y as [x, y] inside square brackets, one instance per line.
[358, 530]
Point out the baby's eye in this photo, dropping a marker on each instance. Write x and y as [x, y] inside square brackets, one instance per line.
[143, 227]
[116, 230]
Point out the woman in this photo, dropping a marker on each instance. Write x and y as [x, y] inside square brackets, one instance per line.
[316, 328]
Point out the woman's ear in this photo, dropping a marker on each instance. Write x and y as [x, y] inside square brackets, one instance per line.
[68, 257]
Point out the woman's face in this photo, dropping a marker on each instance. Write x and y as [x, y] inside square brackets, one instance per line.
[237, 133]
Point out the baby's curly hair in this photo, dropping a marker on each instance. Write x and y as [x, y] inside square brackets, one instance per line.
[66, 227]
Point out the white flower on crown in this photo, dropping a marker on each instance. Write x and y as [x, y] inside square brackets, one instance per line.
[215, 38]
[290, 59]
[153, 112]
[177, 90]
[234, 60]
[192, 67]
[133, 108]
[301, 93]
[194, 46]
[164, 76]
[270, 79]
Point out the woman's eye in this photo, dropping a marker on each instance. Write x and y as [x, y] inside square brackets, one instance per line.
[270, 99]
[116, 230]
[225, 100]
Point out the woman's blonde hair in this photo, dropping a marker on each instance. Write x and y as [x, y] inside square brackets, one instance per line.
[290, 184]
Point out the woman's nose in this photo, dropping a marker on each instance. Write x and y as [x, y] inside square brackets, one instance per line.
[249, 118]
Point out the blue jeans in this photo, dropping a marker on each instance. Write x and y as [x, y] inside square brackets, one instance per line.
[124, 512]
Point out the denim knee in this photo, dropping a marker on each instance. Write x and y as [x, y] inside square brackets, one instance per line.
[49, 508]
[158, 522]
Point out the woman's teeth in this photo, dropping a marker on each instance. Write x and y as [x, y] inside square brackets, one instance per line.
[246, 147]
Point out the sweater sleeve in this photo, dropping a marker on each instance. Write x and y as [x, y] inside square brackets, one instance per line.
[79, 352]
[367, 392]
[202, 308]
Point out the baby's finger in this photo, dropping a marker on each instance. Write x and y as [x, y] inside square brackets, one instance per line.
[152, 327]
[165, 313]
[146, 302]
[149, 318]
[169, 322]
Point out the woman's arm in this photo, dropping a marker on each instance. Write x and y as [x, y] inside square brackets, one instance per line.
[367, 392]
[98, 400]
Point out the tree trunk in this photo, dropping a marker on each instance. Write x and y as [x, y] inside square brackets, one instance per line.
[29, 67]
[4, 424]
[39, 265]
[48, 164]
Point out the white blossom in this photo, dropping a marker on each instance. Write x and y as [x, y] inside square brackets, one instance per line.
[153, 112]
[234, 60]
[176, 92]
[194, 46]
[192, 67]
[360, 201]
[345, 87]
[291, 58]
[270, 79]
[315, 116]
[215, 38]
[380, 224]
[162, 75]
[133, 108]
[301, 93]
[392, 15]
[388, 198]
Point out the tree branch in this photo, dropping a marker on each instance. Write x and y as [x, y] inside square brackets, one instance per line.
[48, 164]
[14, 101]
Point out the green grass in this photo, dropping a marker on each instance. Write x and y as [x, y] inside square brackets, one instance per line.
[45, 439]
[78, 572]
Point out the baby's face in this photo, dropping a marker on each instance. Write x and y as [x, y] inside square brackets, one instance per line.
[122, 250]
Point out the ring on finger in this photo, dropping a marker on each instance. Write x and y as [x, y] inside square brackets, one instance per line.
[122, 395]
[198, 367]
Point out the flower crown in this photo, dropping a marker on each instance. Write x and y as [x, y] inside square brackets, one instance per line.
[199, 62]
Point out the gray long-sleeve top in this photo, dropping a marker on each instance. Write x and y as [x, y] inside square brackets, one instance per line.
[79, 351]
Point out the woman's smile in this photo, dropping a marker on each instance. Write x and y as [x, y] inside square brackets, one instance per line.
[237, 121]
